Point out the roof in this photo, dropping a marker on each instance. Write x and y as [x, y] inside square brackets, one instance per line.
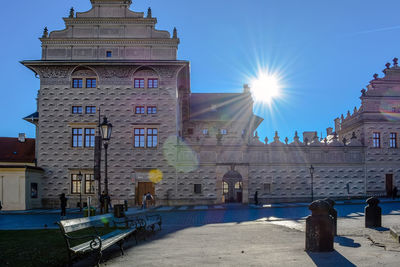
[11, 150]
[220, 106]
[32, 117]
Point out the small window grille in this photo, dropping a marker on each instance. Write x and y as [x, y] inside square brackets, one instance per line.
[197, 188]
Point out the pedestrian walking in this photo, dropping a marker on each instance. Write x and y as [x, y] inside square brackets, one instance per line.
[109, 202]
[149, 199]
[102, 200]
[63, 202]
[144, 201]
[256, 198]
[394, 193]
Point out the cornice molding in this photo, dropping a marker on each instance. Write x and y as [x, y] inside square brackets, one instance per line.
[163, 41]
[97, 21]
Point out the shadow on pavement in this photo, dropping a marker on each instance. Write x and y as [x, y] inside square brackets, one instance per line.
[327, 259]
[346, 242]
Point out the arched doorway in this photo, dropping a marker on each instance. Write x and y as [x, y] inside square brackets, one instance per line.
[232, 187]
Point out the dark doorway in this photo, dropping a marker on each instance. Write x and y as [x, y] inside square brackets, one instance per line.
[389, 185]
[232, 187]
[141, 189]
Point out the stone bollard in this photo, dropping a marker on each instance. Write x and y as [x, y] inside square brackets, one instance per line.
[333, 213]
[373, 213]
[319, 228]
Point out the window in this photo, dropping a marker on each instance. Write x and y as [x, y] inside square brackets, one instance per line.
[393, 140]
[393, 109]
[77, 137]
[376, 139]
[108, 54]
[89, 184]
[151, 110]
[197, 188]
[190, 131]
[139, 83]
[224, 131]
[77, 83]
[152, 83]
[90, 110]
[89, 137]
[139, 137]
[238, 185]
[152, 136]
[75, 184]
[139, 110]
[76, 110]
[34, 190]
[267, 188]
[205, 131]
[225, 187]
[91, 83]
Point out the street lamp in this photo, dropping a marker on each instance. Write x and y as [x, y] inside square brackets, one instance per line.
[312, 182]
[105, 129]
[79, 176]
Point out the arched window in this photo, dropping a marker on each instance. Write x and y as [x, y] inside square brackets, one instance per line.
[225, 187]
[238, 185]
[83, 78]
[145, 78]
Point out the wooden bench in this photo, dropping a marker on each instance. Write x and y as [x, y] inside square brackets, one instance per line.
[93, 243]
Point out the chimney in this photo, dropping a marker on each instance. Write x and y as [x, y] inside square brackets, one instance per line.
[21, 137]
[329, 131]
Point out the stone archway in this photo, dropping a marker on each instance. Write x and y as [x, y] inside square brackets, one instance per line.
[232, 187]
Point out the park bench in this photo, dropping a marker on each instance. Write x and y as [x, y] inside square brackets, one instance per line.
[93, 243]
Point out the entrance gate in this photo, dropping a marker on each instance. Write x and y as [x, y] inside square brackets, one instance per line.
[232, 187]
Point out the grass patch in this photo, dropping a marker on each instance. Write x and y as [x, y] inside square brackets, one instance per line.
[36, 247]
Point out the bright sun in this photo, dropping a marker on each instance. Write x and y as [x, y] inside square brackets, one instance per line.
[265, 87]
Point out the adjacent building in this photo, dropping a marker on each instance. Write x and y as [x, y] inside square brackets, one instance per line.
[20, 179]
[184, 147]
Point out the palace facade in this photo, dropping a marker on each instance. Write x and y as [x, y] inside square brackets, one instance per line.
[188, 148]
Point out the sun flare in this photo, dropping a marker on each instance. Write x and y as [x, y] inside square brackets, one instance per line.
[265, 87]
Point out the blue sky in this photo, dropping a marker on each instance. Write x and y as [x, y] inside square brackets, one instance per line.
[325, 51]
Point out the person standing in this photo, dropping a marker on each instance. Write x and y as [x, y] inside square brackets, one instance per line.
[63, 202]
[394, 193]
[102, 199]
[256, 198]
[149, 199]
[144, 201]
[109, 202]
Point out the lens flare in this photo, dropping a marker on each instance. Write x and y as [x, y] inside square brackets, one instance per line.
[180, 155]
[155, 176]
[265, 87]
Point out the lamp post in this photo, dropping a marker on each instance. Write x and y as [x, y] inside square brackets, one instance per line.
[105, 129]
[312, 182]
[79, 176]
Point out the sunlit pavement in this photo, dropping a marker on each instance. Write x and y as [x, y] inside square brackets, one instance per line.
[237, 235]
[261, 237]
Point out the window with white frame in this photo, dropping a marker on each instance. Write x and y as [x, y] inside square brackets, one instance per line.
[145, 137]
[376, 139]
[393, 140]
[205, 131]
[224, 131]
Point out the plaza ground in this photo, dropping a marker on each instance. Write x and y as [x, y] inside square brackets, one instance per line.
[237, 235]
